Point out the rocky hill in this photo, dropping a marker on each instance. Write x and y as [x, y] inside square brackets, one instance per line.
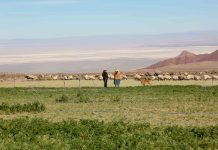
[185, 58]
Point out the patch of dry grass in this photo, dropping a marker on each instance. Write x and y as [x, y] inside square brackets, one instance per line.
[97, 83]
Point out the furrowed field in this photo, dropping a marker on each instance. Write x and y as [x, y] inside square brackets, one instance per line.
[151, 117]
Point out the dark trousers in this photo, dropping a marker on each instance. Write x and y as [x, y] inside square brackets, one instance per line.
[105, 81]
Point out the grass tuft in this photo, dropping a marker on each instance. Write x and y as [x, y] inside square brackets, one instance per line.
[18, 108]
[62, 99]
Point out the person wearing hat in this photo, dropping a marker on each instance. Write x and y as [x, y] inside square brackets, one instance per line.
[117, 78]
[105, 77]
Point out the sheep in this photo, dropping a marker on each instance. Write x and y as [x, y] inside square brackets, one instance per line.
[86, 77]
[172, 73]
[167, 77]
[214, 77]
[65, 78]
[206, 77]
[137, 77]
[166, 73]
[180, 73]
[41, 77]
[157, 73]
[141, 74]
[111, 76]
[100, 77]
[91, 77]
[175, 77]
[197, 77]
[153, 78]
[149, 74]
[213, 72]
[124, 77]
[31, 77]
[160, 77]
[147, 77]
[190, 77]
[181, 77]
[186, 73]
[48, 77]
[55, 77]
[78, 77]
[70, 77]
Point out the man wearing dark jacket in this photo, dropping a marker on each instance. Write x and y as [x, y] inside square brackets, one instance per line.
[105, 77]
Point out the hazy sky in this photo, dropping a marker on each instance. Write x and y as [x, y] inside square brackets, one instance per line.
[66, 18]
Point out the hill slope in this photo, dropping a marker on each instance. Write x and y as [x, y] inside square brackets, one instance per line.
[190, 67]
[185, 58]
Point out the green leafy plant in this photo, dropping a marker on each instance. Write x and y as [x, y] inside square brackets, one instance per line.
[63, 99]
[81, 98]
[116, 98]
[18, 108]
[92, 134]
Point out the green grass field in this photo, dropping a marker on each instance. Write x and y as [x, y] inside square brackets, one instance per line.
[152, 117]
[37, 134]
[158, 105]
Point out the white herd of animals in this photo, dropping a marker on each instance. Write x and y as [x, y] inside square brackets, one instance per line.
[71, 77]
[137, 76]
[178, 76]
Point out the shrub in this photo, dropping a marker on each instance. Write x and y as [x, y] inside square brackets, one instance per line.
[29, 107]
[63, 99]
[116, 98]
[81, 98]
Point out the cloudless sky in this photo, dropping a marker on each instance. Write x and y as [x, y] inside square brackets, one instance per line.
[65, 18]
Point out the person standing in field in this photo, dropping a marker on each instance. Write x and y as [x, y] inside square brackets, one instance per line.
[105, 77]
[117, 78]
